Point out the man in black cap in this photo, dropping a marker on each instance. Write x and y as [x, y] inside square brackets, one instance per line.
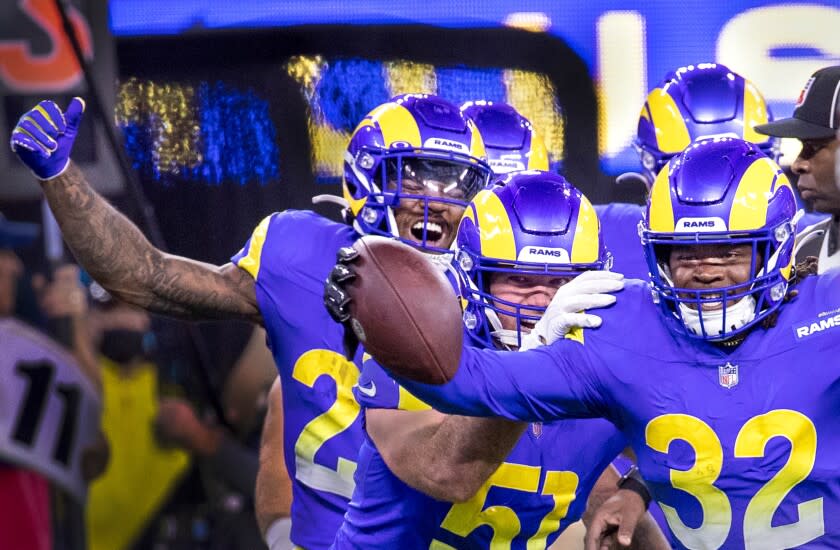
[815, 122]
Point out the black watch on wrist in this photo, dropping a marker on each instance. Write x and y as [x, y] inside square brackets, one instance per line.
[632, 481]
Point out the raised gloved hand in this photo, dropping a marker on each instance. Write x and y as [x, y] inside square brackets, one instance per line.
[566, 311]
[44, 136]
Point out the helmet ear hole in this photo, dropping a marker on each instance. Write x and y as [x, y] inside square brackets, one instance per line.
[350, 187]
[649, 162]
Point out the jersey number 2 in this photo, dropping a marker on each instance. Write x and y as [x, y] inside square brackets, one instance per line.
[343, 412]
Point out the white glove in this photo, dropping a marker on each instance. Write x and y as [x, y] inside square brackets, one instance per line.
[566, 311]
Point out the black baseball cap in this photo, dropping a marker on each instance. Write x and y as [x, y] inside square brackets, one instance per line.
[817, 113]
[16, 234]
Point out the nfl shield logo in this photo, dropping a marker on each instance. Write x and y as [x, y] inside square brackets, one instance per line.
[536, 429]
[728, 375]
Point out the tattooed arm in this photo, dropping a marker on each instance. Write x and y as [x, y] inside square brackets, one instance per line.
[124, 262]
[109, 246]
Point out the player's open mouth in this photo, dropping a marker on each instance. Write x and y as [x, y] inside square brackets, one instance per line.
[434, 231]
[527, 325]
[711, 306]
[704, 305]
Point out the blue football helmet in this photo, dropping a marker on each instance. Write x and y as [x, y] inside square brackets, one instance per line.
[535, 223]
[418, 148]
[721, 191]
[696, 102]
[510, 140]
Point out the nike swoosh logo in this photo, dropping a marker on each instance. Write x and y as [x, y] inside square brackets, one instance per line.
[370, 391]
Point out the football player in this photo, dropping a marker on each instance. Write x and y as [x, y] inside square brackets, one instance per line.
[510, 140]
[518, 243]
[512, 144]
[737, 446]
[691, 103]
[411, 167]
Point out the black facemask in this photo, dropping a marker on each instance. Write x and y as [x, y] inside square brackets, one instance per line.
[121, 346]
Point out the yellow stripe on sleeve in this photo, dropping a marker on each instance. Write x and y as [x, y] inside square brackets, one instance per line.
[575, 334]
[408, 402]
[251, 262]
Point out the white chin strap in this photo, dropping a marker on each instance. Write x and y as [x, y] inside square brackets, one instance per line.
[504, 338]
[441, 261]
[508, 339]
[737, 316]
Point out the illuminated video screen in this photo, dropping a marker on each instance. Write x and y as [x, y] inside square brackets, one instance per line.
[628, 47]
[339, 92]
[209, 132]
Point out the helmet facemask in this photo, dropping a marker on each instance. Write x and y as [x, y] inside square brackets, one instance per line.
[737, 307]
[412, 195]
[484, 311]
[410, 168]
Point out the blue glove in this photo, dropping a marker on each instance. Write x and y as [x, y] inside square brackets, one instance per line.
[44, 137]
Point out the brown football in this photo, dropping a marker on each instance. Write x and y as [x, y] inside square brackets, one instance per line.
[405, 311]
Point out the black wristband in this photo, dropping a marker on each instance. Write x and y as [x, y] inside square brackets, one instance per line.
[632, 481]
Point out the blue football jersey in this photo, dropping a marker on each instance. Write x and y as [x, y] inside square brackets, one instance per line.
[738, 445]
[290, 255]
[620, 230]
[529, 500]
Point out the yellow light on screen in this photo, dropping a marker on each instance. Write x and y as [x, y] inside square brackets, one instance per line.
[169, 111]
[534, 21]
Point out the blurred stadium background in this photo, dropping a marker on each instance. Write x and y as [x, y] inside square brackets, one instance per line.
[230, 110]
